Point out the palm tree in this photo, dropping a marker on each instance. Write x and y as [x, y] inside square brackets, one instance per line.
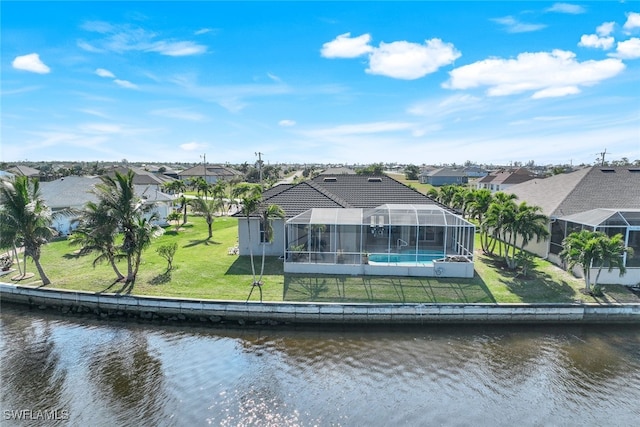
[527, 224]
[593, 248]
[117, 197]
[501, 212]
[25, 219]
[207, 208]
[175, 186]
[250, 196]
[267, 216]
[96, 232]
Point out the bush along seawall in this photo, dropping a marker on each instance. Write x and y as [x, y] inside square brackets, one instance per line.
[170, 310]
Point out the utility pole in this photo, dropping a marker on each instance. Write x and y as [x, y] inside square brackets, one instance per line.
[259, 154]
[204, 164]
[602, 157]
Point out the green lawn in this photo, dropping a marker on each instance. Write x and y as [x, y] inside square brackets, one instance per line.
[203, 269]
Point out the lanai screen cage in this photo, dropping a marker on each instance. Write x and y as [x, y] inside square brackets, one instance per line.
[391, 233]
[609, 221]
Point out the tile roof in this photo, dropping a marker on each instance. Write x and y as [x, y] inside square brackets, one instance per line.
[342, 191]
[509, 176]
[589, 188]
[447, 172]
[22, 170]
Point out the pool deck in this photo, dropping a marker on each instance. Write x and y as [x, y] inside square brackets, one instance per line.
[274, 313]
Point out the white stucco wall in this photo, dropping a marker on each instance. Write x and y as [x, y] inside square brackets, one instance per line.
[275, 248]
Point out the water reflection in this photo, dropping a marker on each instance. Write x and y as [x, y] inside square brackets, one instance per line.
[128, 374]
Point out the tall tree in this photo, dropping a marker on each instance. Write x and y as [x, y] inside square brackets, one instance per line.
[267, 216]
[117, 197]
[25, 220]
[250, 196]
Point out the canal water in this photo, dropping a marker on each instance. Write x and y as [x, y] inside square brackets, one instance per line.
[107, 373]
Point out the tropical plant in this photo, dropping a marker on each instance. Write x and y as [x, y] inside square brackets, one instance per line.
[96, 232]
[25, 220]
[207, 208]
[500, 213]
[267, 216]
[527, 224]
[175, 186]
[250, 196]
[117, 198]
[174, 216]
[594, 249]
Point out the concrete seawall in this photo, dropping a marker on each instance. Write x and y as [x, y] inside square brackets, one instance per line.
[216, 311]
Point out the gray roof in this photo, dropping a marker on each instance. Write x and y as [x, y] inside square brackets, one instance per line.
[447, 172]
[21, 170]
[68, 192]
[343, 191]
[508, 176]
[218, 171]
[613, 217]
[586, 189]
[76, 191]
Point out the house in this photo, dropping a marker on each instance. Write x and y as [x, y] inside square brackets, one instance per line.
[332, 222]
[444, 176]
[504, 178]
[475, 171]
[73, 192]
[594, 198]
[142, 176]
[211, 173]
[21, 170]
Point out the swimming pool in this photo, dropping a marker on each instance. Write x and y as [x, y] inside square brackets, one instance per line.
[424, 257]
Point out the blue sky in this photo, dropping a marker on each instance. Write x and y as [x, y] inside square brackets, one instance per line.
[330, 82]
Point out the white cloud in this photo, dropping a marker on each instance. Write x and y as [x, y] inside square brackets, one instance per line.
[359, 129]
[30, 62]
[203, 31]
[546, 74]
[345, 46]
[287, 123]
[633, 21]
[125, 84]
[105, 73]
[192, 146]
[177, 48]
[181, 114]
[512, 25]
[592, 40]
[605, 29]
[572, 9]
[409, 61]
[628, 49]
[125, 38]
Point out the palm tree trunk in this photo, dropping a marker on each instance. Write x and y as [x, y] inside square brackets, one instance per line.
[115, 269]
[43, 276]
[253, 267]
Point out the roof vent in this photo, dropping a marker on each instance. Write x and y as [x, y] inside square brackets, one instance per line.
[375, 179]
[330, 179]
[636, 170]
[608, 170]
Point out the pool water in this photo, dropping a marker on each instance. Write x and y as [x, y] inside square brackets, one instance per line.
[422, 257]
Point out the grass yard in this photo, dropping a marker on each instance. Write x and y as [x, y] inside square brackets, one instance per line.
[204, 269]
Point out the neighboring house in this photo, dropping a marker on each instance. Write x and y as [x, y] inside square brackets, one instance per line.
[475, 171]
[594, 198]
[25, 171]
[143, 177]
[503, 179]
[444, 176]
[332, 222]
[73, 192]
[212, 173]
